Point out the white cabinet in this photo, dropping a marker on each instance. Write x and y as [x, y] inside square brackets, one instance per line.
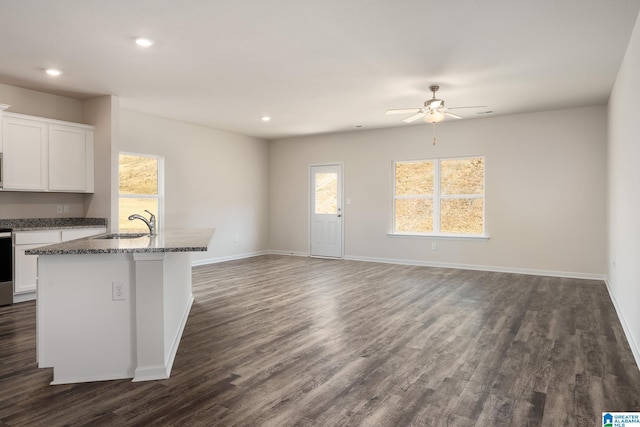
[25, 272]
[2, 108]
[46, 155]
[25, 155]
[70, 159]
[79, 233]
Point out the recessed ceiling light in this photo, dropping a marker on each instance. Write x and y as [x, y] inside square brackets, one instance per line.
[142, 42]
[265, 118]
[53, 72]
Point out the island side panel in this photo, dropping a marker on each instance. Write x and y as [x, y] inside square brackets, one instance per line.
[163, 292]
[83, 333]
[177, 301]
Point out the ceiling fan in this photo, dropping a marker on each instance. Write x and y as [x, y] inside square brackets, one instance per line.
[433, 111]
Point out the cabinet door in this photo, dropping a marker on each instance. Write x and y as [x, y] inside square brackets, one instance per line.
[25, 271]
[89, 187]
[79, 233]
[25, 156]
[25, 274]
[41, 237]
[67, 158]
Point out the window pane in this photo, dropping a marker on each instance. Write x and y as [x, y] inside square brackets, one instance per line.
[461, 216]
[414, 215]
[462, 176]
[414, 178]
[130, 206]
[326, 193]
[138, 174]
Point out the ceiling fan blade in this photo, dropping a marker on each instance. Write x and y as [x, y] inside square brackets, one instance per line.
[474, 106]
[455, 116]
[402, 111]
[415, 117]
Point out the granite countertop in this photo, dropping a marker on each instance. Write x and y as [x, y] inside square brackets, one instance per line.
[168, 240]
[34, 224]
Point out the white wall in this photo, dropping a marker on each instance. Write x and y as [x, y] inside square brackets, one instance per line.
[34, 103]
[624, 193]
[14, 204]
[212, 179]
[103, 112]
[545, 191]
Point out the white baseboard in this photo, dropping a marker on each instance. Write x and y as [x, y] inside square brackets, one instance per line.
[567, 274]
[228, 258]
[31, 296]
[635, 349]
[289, 253]
[151, 373]
[75, 380]
[161, 372]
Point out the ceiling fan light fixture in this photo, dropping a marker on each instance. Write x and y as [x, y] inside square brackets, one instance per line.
[434, 117]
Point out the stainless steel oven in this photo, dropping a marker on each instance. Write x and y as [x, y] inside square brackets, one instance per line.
[6, 267]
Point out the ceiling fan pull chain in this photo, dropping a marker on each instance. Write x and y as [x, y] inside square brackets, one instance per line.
[434, 134]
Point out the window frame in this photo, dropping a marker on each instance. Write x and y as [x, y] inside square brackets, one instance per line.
[159, 196]
[437, 197]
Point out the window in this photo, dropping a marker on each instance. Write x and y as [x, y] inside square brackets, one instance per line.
[326, 194]
[140, 189]
[439, 197]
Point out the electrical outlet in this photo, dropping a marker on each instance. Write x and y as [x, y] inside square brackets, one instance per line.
[119, 291]
[59, 209]
[434, 246]
[66, 208]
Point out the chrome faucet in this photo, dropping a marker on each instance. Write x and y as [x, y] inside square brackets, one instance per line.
[151, 222]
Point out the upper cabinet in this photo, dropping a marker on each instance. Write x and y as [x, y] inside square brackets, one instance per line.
[70, 159]
[46, 155]
[25, 157]
[2, 108]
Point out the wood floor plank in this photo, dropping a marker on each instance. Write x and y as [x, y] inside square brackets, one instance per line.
[291, 341]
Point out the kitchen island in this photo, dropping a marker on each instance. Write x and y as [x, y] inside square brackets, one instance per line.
[114, 306]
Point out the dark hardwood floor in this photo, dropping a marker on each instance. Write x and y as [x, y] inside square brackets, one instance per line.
[280, 341]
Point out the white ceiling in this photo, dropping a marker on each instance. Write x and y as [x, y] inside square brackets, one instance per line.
[317, 66]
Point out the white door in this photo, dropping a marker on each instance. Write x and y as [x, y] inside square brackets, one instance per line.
[326, 211]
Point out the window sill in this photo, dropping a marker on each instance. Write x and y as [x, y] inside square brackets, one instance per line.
[441, 236]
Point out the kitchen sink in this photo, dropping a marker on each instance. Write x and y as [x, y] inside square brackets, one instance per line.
[122, 236]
